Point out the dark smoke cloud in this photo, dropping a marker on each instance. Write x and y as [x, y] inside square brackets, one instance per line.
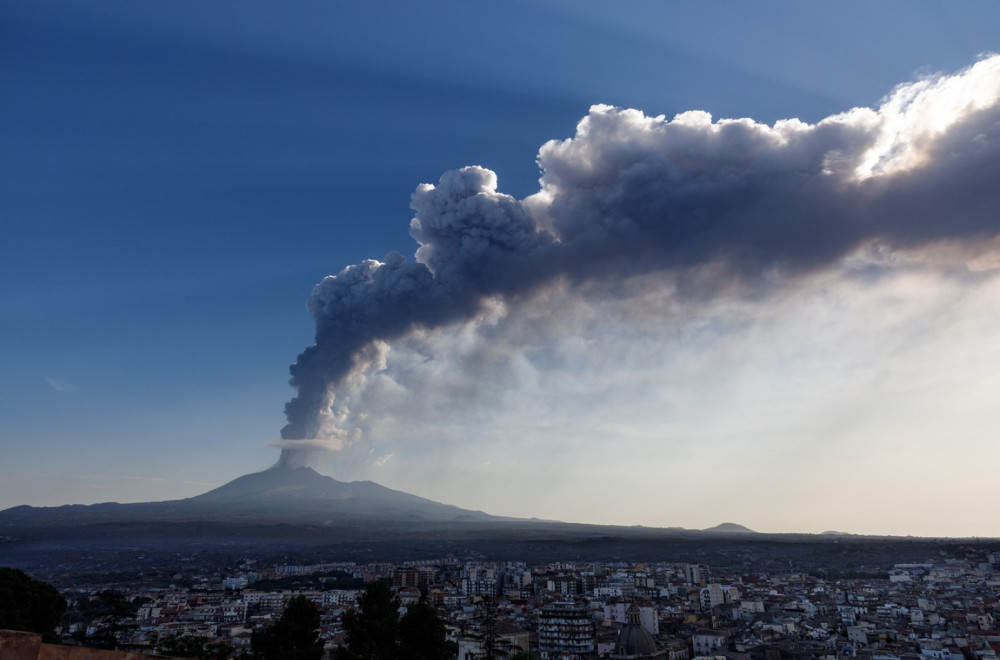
[475, 242]
[630, 195]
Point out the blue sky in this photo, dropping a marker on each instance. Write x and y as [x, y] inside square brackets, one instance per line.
[176, 177]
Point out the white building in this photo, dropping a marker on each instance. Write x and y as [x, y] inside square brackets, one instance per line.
[718, 594]
[708, 642]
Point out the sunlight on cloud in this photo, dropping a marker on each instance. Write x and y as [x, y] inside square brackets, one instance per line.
[915, 114]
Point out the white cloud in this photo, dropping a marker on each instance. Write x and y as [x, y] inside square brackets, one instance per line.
[60, 385]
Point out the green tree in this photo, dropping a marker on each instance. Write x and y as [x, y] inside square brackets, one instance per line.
[112, 614]
[375, 630]
[372, 629]
[28, 604]
[422, 634]
[295, 636]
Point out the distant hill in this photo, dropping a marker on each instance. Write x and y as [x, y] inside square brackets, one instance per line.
[730, 528]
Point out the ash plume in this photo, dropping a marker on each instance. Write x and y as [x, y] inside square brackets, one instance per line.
[711, 207]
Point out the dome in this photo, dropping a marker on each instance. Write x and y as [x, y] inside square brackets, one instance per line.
[633, 640]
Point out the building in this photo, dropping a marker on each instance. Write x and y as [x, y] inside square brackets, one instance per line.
[709, 642]
[718, 594]
[565, 632]
[413, 576]
[618, 612]
[635, 642]
[696, 574]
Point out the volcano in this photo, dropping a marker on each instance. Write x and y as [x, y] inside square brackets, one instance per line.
[285, 495]
[303, 492]
[298, 515]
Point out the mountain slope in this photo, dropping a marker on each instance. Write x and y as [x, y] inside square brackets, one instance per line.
[278, 495]
[305, 491]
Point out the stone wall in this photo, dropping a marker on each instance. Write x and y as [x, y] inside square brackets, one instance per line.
[16, 645]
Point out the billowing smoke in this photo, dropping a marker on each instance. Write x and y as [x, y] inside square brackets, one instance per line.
[710, 207]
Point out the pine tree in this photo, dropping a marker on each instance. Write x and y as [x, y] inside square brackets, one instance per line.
[295, 636]
[375, 630]
[422, 634]
[372, 629]
[29, 604]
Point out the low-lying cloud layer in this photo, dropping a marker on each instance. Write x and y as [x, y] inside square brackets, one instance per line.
[657, 259]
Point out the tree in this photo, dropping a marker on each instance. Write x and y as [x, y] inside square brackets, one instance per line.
[422, 634]
[295, 636]
[375, 630]
[492, 646]
[28, 604]
[112, 614]
[372, 629]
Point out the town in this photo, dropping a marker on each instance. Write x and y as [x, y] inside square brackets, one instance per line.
[943, 608]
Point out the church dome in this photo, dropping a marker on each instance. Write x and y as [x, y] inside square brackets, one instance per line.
[633, 640]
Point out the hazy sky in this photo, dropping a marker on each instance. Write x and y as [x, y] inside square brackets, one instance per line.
[688, 320]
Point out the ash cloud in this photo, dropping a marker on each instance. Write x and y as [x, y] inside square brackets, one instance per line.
[697, 209]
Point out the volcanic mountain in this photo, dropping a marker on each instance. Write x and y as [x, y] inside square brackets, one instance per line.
[298, 515]
[303, 492]
[278, 495]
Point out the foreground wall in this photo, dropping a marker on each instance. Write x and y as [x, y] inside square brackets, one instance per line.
[16, 645]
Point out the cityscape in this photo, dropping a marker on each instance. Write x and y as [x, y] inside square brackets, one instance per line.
[234, 572]
[943, 608]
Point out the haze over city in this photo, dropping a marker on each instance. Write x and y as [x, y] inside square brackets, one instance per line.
[640, 263]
